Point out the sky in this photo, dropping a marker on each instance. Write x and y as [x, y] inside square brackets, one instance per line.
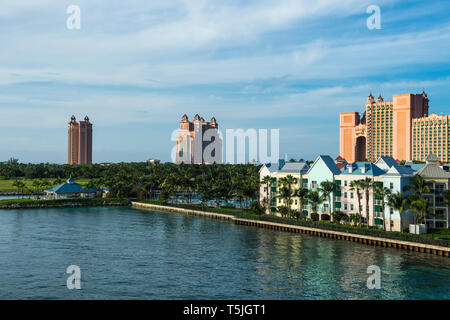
[135, 67]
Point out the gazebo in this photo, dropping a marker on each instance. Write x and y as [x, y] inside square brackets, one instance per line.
[70, 190]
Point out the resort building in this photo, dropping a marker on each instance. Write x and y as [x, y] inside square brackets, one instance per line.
[80, 141]
[297, 170]
[265, 194]
[386, 172]
[348, 203]
[323, 169]
[198, 141]
[439, 179]
[400, 128]
[431, 135]
[396, 179]
[71, 190]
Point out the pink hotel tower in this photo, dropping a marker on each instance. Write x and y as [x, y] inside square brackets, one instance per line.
[80, 141]
[400, 128]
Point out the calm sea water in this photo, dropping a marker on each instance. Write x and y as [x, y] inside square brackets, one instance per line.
[125, 253]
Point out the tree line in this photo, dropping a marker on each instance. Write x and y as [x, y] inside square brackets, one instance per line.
[213, 182]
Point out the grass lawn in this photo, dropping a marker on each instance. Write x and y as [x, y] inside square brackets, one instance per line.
[438, 234]
[6, 185]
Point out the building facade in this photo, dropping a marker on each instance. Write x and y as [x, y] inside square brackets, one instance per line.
[400, 128]
[385, 172]
[439, 181]
[198, 141]
[80, 141]
[431, 135]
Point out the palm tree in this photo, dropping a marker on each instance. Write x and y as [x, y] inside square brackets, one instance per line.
[326, 188]
[315, 199]
[356, 186]
[58, 181]
[398, 203]
[382, 192]
[267, 182]
[419, 185]
[28, 192]
[20, 185]
[302, 195]
[366, 185]
[36, 184]
[286, 192]
[419, 207]
[45, 184]
[283, 210]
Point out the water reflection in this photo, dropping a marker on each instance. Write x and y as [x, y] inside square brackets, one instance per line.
[126, 253]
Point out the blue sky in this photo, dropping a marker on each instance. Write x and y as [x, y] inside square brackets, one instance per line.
[135, 67]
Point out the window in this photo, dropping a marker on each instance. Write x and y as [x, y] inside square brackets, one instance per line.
[440, 188]
[345, 183]
[391, 185]
[351, 195]
[351, 207]
[345, 195]
[345, 206]
[314, 184]
[440, 224]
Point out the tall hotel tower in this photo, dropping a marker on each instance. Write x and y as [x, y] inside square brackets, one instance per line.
[80, 141]
[400, 128]
[198, 138]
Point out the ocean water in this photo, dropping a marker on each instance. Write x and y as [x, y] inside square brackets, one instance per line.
[126, 253]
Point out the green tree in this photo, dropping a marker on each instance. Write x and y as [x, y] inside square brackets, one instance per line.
[397, 202]
[302, 195]
[327, 188]
[267, 182]
[367, 185]
[382, 193]
[356, 185]
[419, 207]
[419, 186]
[286, 191]
[315, 199]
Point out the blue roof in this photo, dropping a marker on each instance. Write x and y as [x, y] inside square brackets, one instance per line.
[329, 162]
[90, 190]
[274, 167]
[414, 166]
[399, 171]
[371, 169]
[68, 187]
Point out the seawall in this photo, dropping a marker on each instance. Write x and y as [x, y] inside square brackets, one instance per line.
[374, 241]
